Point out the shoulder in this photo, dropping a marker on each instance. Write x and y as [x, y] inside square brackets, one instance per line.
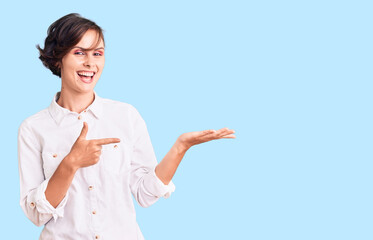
[30, 128]
[31, 122]
[119, 107]
[115, 103]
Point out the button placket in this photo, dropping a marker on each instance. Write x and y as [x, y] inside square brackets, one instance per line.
[92, 184]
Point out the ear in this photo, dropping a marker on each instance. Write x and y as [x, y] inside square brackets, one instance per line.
[57, 64]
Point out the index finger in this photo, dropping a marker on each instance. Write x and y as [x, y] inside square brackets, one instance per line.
[104, 141]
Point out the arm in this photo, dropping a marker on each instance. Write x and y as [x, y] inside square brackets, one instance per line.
[32, 180]
[145, 186]
[60, 182]
[166, 169]
[150, 181]
[83, 153]
[42, 199]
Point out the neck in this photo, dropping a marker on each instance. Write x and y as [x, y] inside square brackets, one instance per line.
[75, 102]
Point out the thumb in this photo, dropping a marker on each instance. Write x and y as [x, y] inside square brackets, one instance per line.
[83, 133]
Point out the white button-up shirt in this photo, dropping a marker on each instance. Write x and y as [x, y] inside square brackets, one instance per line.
[98, 204]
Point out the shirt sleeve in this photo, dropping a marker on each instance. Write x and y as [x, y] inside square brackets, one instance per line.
[146, 187]
[32, 181]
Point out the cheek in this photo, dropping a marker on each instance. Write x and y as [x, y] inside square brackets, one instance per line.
[98, 75]
[69, 66]
[102, 64]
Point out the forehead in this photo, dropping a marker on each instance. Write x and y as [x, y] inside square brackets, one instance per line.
[90, 40]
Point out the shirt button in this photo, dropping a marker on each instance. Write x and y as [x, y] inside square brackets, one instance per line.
[90, 188]
[79, 117]
[97, 237]
[115, 146]
[93, 212]
[54, 155]
[32, 204]
[85, 111]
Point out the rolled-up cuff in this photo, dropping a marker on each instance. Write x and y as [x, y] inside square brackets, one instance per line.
[157, 188]
[38, 200]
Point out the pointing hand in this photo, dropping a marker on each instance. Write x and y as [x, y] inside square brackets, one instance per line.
[85, 152]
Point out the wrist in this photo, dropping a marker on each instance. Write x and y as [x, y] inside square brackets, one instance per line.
[181, 146]
[68, 163]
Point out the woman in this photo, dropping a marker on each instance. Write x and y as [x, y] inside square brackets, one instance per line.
[81, 158]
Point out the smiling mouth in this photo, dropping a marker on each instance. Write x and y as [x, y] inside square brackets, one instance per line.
[86, 76]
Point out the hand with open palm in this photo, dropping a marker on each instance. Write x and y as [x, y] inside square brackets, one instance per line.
[187, 140]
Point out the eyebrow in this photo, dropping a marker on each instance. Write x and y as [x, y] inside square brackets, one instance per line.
[85, 49]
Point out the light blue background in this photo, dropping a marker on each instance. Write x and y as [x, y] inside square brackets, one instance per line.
[293, 78]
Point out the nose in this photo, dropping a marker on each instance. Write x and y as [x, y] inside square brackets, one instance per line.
[88, 61]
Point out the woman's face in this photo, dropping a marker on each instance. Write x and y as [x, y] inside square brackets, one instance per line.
[81, 68]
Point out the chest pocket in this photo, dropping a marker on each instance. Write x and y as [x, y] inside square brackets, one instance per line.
[115, 157]
[51, 160]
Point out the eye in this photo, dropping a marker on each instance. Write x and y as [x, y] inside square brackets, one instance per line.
[98, 54]
[78, 53]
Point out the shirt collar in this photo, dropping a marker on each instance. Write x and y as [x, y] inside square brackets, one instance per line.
[58, 113]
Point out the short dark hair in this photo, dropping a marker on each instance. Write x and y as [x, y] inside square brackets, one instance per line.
[63, 35]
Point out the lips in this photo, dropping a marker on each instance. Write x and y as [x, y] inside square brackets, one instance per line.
[86, 76]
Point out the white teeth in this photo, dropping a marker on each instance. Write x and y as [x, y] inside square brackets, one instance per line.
[87, 74]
